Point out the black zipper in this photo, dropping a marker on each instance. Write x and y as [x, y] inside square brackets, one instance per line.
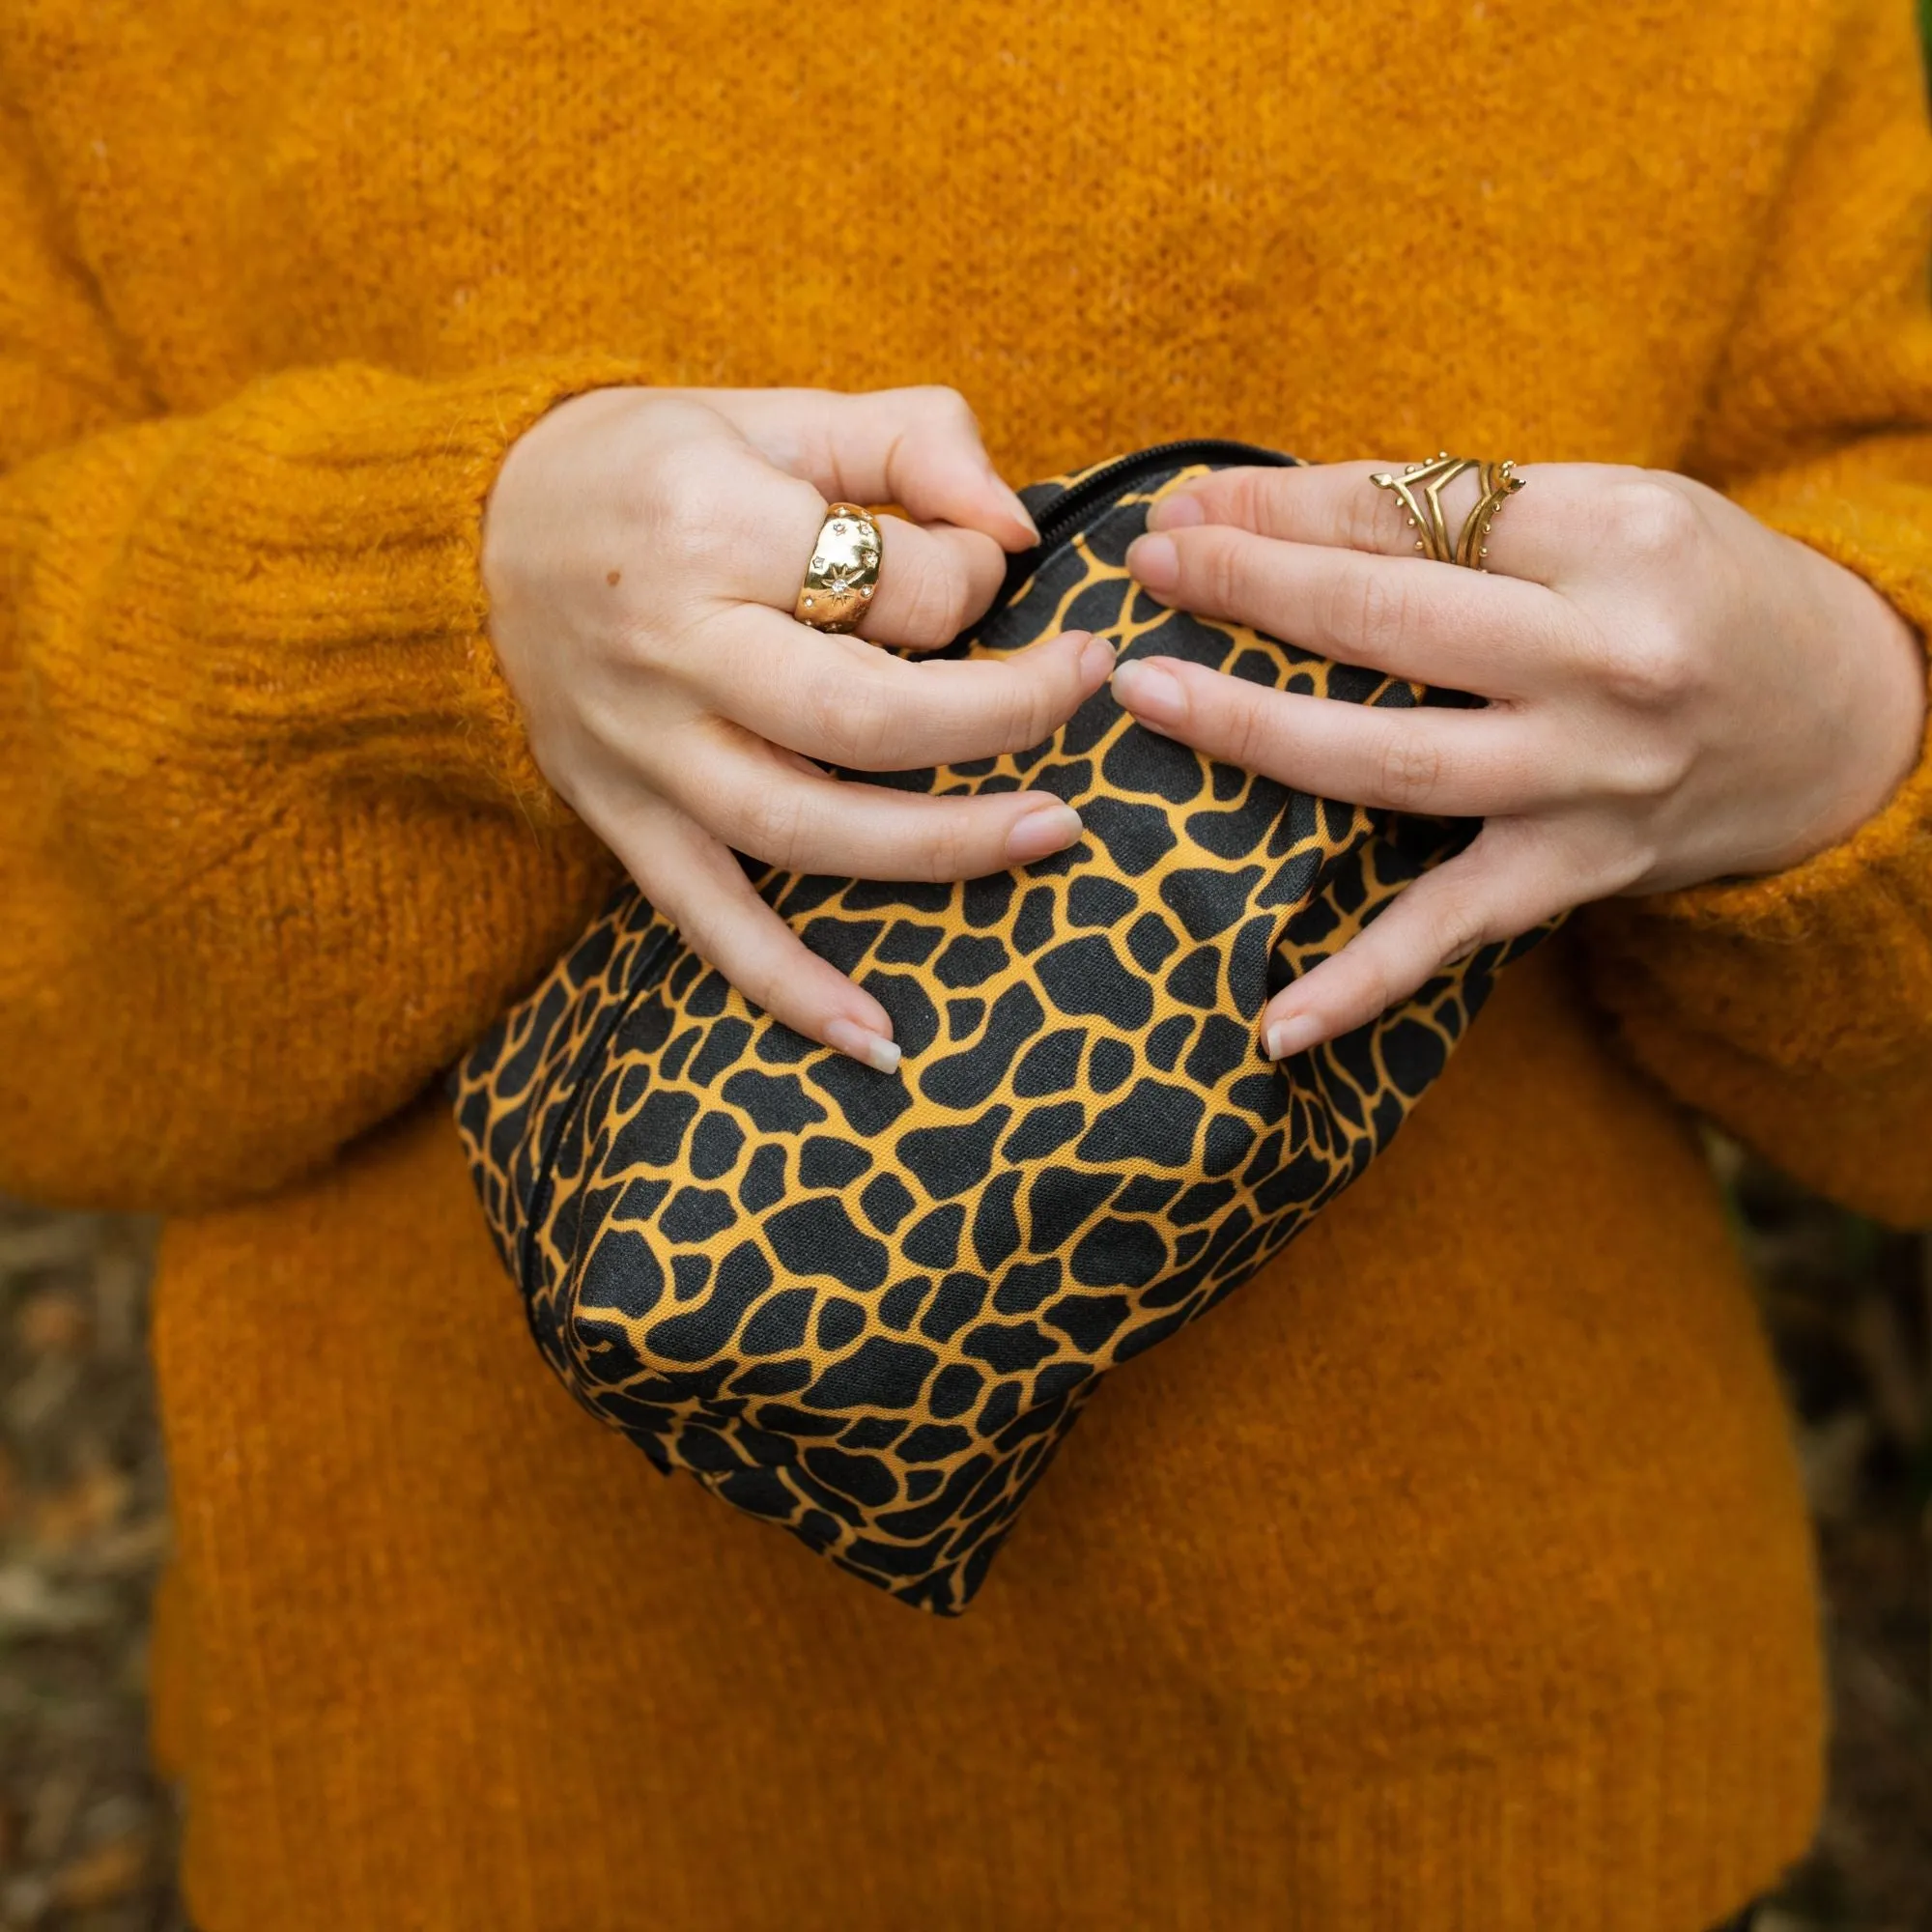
[1071, 506]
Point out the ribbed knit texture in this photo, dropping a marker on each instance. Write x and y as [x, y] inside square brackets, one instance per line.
[1454, 1574]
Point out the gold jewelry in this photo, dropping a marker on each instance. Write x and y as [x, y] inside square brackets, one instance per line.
[843, 572]
[1497, 481]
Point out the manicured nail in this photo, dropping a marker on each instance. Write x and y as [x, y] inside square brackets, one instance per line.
[1021, 512]
[1176, 513]
[1048, 828]
[1148, 692]
[1097, 660]
[870, 1049]
[1291, 1035]
[1156, 561]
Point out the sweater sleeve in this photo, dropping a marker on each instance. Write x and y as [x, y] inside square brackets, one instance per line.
[272, 848]
[1796, 1011]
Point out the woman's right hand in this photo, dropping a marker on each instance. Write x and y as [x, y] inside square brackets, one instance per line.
[641, 551]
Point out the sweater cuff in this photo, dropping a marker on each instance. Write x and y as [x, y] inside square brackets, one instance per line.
[1806, 963]
[344, 535]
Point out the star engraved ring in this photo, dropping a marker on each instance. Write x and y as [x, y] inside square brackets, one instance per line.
[844, 573]
[1419, 489]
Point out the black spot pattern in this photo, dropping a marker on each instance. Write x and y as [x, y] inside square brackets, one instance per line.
[868, 1307]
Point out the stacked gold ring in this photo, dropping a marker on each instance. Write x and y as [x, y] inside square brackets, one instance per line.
[1420, 487]
[843, 574]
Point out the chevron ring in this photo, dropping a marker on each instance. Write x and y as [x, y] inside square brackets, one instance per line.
[1420, 487]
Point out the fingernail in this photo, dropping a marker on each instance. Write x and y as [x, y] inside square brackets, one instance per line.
[1148, 692]
[1049, 828]
[1096, 659]
[1011, 497]
[1156, 561]
[1176, 513]
[1292, 1034]
[870, 1048]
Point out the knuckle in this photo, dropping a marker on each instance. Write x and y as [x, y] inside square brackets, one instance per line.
[637, 641]
[1649, 670]
[939, 403]
[933, 603]
[1277, 502]
[1654, 769]
[791, 514]
[1239, 497]
[688, 531]
[1032, 695]
[1373, 520]
[653, 640]
[1379, 989]
[946, 851]
[1463, 910]
[1237, 736]
[1460, 929]
[802, 502]
[1028, 710]
[663, 887]
[855, 722]
[770, 825]
[1376, 606]
[737, 941]
[1220, 569]
[1251, 730]
[1650, 521]
[1410, 770]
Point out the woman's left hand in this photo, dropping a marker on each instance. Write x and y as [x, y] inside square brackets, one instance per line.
[1676, 694]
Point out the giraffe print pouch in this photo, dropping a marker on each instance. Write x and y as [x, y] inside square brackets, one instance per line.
[869, 1307]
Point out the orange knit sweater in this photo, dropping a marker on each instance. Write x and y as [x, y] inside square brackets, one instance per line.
[1454, 1574]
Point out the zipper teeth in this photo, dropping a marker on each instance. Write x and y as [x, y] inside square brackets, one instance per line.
[1073, 503]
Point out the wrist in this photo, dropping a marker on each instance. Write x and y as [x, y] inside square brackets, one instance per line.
[1877, 663]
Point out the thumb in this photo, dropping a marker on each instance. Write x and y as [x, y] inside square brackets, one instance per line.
[919, 449]
[1512, 877]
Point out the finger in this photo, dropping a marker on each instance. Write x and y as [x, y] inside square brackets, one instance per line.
[695, 883]
[933, 579]
[1460, 628]
[1464, 763]
[756, 800]
[1512, 877]
[917, 448]
[1543, 534]
[844, 704]
[753, 529]
[933, 582]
